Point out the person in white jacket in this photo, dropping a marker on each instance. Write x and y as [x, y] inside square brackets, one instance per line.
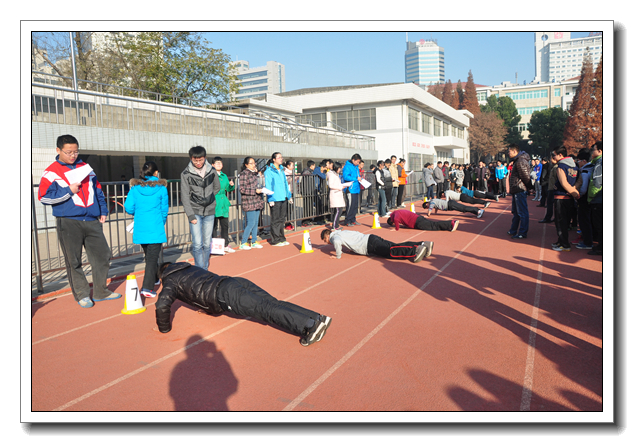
[337, 202]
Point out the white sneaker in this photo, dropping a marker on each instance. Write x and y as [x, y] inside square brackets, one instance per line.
[245, 247]
[256, 245]
[480, 212]
[229, 250]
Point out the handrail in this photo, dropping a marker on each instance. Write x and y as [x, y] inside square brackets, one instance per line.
[177, 106]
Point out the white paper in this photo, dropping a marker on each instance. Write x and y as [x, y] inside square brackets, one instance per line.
[218, 246]
[267, 191]
[365, 183]
[409, 172]
[130, 228]
[78, 174]
[346, 184]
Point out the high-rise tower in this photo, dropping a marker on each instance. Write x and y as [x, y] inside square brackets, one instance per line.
[424, 62]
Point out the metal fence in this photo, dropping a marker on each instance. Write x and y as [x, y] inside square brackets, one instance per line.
[310, 205]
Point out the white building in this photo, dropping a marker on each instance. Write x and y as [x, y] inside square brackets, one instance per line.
[424, 62]
[256, 82]
[404, 119]
[559, 57]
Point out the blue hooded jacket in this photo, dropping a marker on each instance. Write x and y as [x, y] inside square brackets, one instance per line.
[275, 180]
[147, 201]
[351, 174]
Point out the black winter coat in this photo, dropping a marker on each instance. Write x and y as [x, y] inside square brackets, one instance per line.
[190, 284]
[520, 178]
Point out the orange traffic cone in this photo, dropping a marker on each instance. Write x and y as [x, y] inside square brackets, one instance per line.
[306, 245]
[377, 223]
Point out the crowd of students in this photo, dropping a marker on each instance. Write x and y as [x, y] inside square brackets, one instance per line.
[568, 186]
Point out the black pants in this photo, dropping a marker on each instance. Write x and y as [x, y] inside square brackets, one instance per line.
[563, 214]
[221, 229]
[501, 186]
[424, 224]
[387, 249]
[471, 200]
[72, 236]
[484, 194]
[400, 195]
[455, 206]
[550, 202]
[336, 215]
[596, 210]
[245, 298]
[584, 217]
[353, 204]
[153, 260]
[542, 202]
[278, 214]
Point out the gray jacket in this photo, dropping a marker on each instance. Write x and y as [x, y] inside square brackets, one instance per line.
[198, 194]
[353, 240]
[438, 175]
[429, 177]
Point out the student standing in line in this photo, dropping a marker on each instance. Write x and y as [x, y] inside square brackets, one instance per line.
[148, 202]
[252, 203]
[275, 181]
[199, 186]
[402, 181]
[337, 203]
[380, 186]
[221, 226]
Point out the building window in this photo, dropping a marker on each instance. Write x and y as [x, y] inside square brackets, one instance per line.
[426, 124]
[317, 120]
[356, 120]
[557, 92]
[413, 119]
[445, 129]
[437, 127]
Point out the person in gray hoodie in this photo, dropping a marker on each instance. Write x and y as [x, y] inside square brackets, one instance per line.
[199, 185]
[370, 244]
[439, 177]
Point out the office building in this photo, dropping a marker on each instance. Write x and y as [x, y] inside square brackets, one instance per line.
[256, 82]
[559, 57]
[424, 62]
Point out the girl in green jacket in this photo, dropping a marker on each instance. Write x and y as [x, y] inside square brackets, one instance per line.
[222, 205]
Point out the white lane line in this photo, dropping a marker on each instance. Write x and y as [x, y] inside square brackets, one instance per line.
[359, 345]
[527, 390]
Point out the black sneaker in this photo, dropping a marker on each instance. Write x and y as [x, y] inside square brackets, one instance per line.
[519, 237]
[486, 205]
[316, 332]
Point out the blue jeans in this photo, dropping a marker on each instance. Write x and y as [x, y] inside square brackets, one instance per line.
[382, 207]
[250, 226]
[201, 239]
[431, 192]
[519, 209]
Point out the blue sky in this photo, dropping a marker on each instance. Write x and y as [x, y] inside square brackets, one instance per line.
[314, 59]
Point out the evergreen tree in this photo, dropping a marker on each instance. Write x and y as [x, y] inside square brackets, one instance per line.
[505, 108]
[447, 93]
[578, 132]
[470, 102]
[460, 95]
[436, 90]
[546, 129]
[596, 108]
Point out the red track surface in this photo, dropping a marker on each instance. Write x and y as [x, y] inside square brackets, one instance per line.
[485, 324]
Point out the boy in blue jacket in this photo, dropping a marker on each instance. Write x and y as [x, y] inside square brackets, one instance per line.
[351, 174]
[275, 180]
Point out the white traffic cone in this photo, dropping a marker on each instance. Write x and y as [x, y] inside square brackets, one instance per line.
[411, 208]
[133, 303]
[377, 223]
[306, 245]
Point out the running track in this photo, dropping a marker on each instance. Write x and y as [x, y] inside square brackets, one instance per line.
[485, 324]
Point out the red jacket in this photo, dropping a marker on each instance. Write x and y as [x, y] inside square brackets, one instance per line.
[404, 217]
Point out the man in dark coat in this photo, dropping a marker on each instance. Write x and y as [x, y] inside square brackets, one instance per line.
[216, 294]
[519, 185]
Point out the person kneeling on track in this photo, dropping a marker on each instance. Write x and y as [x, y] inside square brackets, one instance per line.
[217, 294]
[370, 244]
[412, 220]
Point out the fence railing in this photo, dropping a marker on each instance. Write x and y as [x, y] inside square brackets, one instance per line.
[310, 202]
[55, 104]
